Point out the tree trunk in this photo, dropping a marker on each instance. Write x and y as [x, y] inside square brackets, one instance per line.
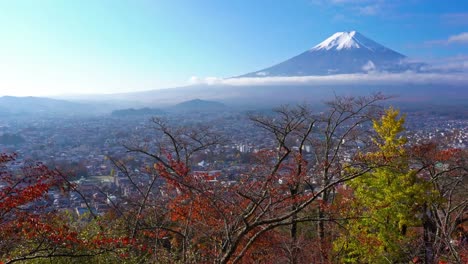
[428, 237]
[321, 231]
[293, 231]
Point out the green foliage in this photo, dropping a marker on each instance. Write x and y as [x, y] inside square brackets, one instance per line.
[387, 200]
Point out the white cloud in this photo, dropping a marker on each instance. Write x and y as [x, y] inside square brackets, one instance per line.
[346, 79]
[460, 38]
[361, 7]
[195, 80]
[369, 66]
[447, 70]
[263, 73]
[212, 80]
[370, 10]
[207, 80]
[448, 64]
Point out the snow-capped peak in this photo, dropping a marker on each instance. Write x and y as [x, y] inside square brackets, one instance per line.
[342, 53]
[346, 40]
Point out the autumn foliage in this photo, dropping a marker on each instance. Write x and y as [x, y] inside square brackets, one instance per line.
[388, 200]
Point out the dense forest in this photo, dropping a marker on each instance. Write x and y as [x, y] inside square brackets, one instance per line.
[361, 194]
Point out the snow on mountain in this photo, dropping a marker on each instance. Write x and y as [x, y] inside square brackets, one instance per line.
[341, 53]
[348, 40]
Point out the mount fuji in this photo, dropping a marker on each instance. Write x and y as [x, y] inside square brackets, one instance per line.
[346, 63]
[341, 53]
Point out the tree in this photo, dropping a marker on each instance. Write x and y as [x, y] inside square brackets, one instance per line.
[444, 237]
[333, 138]
[30, 229]
[387, 201]
[197, 217]
[26, 222]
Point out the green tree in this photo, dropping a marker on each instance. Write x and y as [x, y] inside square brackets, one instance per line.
[387, 201]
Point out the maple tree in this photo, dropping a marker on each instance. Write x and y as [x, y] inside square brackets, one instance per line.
[194, 217]
[30, 229]
[332, 137]
[26, 222]
[444, 220]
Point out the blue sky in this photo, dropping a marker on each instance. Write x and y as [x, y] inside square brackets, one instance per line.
[88, 46]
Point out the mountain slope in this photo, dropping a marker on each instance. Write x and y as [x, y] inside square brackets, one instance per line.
[343, 52]
[42, 105]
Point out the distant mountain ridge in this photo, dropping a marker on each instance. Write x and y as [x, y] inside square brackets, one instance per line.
[341, 53]
[199, 105]
[30, 105]
[137, 112]
[36, 105]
